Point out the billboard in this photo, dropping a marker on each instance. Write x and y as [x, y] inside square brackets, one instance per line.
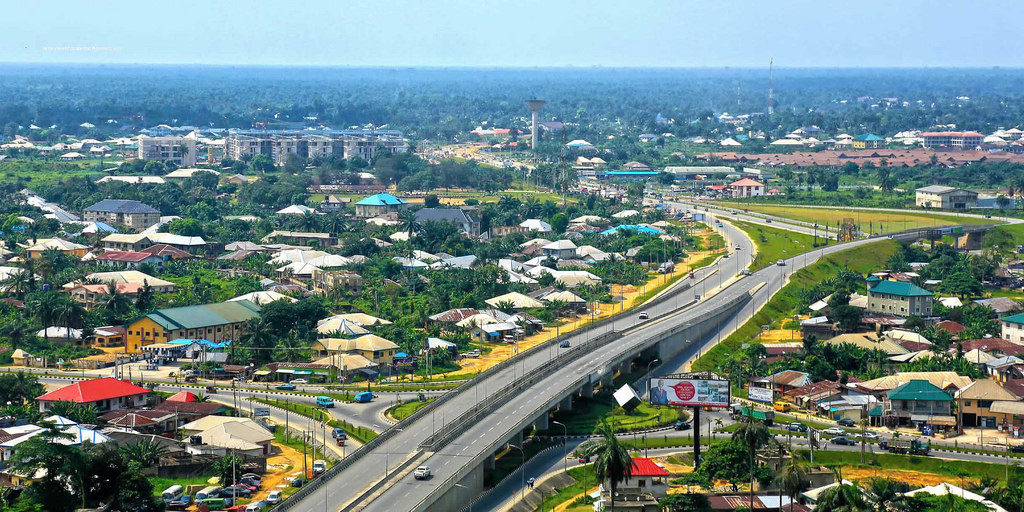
[765, 395]
[689, 392]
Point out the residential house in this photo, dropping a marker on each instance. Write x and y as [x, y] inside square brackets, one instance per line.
[128, 259]
[223, 434]
[327, 280]
[220, 322]
[42, 245]
[975, 403]
[89, 295]
[648, 482]
[128, 276]
[299, 238]
[868, 141]
[747, 188]
[465, 222]
[108, 336]
[134, 214]
[378, 204]
[370, 346]
[1013, 328]
[333, 203]
[946, 198]
[106, 394]
[898, 298]
[786, 380]
[126, 242]
[1000, 305]
[918, 402]
[560, 249]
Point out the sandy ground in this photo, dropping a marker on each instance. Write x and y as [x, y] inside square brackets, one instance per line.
[914, 478]
[283, 463]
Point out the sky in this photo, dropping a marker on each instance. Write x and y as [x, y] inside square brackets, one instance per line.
[523, 33]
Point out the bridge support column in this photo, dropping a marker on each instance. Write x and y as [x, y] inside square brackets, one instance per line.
[542, 422]
[587, 391]
[606, 380]
[517, 438]
[566, 404]
[488, 464]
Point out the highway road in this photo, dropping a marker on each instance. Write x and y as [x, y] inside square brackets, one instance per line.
[449, 461]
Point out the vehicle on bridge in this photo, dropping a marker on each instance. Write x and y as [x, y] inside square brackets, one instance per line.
[421, 473]
[906, 446]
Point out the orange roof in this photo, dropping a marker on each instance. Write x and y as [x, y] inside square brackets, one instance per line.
[747, 182]
[88, 391]
[647, 467]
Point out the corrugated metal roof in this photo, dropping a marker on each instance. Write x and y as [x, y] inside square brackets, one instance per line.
[207, 315]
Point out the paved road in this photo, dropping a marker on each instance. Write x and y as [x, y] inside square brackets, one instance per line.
[407, 494]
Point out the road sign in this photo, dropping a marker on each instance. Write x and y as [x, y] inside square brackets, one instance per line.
[260, 411]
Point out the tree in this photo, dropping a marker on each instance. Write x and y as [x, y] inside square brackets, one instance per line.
[431, 201]
[262, 163]
[185, 227]
[15, 330]
[116, 304]
[559, 222]
[611, 459]
[60, 486]
[144, 299]
[258, 339]
[885, 495]
[44, 306]
[725, 461]
[886, 181]
[635, 191]
[227, 467]
[146, 453]
[842, 498]
[753, 435]
[792, 478]
[961, 284]
[79, 413]
[685, 502]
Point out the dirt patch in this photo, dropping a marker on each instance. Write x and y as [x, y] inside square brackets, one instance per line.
[284, 462]
[914, 478]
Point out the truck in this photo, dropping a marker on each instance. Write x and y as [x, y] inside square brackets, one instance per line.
[739, 411]
[906, 446]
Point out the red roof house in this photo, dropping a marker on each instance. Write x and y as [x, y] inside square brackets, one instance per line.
[107, 394]
[951, 327]
[643, 466]
[183, 396]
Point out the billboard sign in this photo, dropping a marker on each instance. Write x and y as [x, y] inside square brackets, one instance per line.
[260, 411]
[761, 395]
[690, 392]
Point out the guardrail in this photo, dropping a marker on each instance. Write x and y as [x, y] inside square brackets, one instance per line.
[459, 391]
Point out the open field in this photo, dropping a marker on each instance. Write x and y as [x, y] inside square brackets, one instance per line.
[948, 469]
[875, 221]
[772, 244]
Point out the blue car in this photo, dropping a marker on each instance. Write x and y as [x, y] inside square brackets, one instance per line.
[286, 387]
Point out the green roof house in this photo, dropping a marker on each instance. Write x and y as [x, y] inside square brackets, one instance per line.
[898, 298]
[378, 204]
[868, 141]
[1013, 328]
[219, 322]
[918, 402]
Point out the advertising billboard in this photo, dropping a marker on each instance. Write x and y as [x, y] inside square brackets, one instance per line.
[689, 392]
[761, 395]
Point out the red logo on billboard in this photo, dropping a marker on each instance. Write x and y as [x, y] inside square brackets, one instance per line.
[685, 390]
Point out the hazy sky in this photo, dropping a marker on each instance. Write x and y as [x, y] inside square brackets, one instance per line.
[669, 33]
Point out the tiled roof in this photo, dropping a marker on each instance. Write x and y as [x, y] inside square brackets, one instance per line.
[125, 256]
[88, 391]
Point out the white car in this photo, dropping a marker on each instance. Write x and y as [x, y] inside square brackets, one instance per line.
[421, 473]
[300, 381]
[834, 431]
[274, 497]
[866, 435]
[643, 316]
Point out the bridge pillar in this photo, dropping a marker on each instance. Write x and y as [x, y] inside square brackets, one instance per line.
[566, 404]
[517, 438]
[542, 422]
[488, 464]
[587, 391]
[606, 380]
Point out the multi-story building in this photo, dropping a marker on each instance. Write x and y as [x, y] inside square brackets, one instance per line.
[133, 214]
[245, 147]
[898, 298]
[957, 140]
[278, 144]
[946, 198]
[1013, 328]
[179, 150]
[220, 322]
[918, 402]
[326, 281]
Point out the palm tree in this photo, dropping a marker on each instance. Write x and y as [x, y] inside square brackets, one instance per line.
[292, 349]
[69, 312]
[146, 452]
[44, 306]
[258, 339]
[611, 459]
[884, 494]
[792, 479]
[15, 331]
[842, 498]
[17, 282]
[754, 435]
[117, 304]
[144, 299]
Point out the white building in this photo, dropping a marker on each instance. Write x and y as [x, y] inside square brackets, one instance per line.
[179, 150]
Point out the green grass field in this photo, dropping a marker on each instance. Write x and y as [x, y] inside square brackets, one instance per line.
[404, 410]
[588, 412]
[875, 221]
[861, 259]
[933, 465]
[772, 244]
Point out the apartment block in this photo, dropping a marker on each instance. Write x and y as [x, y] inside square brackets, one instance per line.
[179, 150]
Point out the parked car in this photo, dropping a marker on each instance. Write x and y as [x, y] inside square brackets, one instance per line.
[298, 482]
[843, 441]
[834, 431]
[259, 506]
[233, 490]
[274, 497]
[252, 483]
[1017, 448]
[682, 425]
[643, 316]
[847, 422]
[285, 387]
[180, 503]
[797, 427]
[319, 466]
[421, 473]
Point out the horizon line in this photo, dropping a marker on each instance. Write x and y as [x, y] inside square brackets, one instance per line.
[487, 67]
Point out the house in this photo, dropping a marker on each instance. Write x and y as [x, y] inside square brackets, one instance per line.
[326, 281]
[535, 225]
[378, 204]
[898, 298]
[126, 242]
[89, 295]
[42, 245]
[370, 346]
[180, 151]
[648, 482]
[333, 203]
[786, 380]
[953, 328]
[747, 188]
[188, 173]
[918, 402]
[128, 276]
[106, 394]
[142, 421]
[868, 341]
[299, 238]
[868, 141]
[134, 214]
[456, 216]
[1000, 305]
[946, 198]
[220, 322]
[129, 259]
[560, 249]
[221, 434]
[1013, 328]
[975, 403]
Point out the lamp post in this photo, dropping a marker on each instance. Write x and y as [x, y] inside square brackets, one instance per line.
[387, 454]
[655, 360]
[565, 438]
[471, 497]
[522, 472]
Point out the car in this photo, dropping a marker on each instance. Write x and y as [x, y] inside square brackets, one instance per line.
[746, 272]
[865, 435]
[1017, 448]
[232, 490]
[180, 503]
[781, 263]
[319, 466]
[845, 441]
[421, 473]
[252, 483]
[847, 422]
[834, 431]
[274, 497]
[298, 482]
[738, 247]
[682, 425]
[643, 316]
[767, 221]
[797, 427]
[259, 506]
[564, 344]
[339, 433]
[300, 381]
[285, 387]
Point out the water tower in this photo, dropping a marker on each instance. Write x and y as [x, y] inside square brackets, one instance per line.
[534, 106]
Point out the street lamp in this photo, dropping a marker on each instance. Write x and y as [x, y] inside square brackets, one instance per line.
[565, 437]
[655, 360]
[470, 497]
[522, 472]
[387, 454]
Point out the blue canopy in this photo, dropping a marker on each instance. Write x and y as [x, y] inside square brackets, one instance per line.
[643, 230]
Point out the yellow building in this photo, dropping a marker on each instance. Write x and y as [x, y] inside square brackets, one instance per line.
[223, 321]
[983, 404]
[56, 244]
[370, 346]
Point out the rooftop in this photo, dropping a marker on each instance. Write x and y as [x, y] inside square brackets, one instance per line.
[88, 391]
[122, 206]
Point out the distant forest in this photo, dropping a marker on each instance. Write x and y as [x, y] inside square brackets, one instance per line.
[437, 104]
